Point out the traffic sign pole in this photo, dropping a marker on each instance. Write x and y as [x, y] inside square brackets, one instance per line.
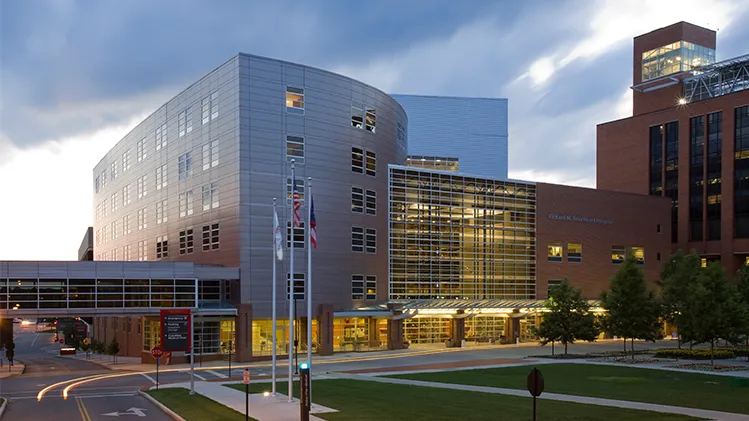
[246, 379]
[157, 353]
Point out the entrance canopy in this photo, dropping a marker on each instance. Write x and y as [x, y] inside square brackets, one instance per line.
[401, 309]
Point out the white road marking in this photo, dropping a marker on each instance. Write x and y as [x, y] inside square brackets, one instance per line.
[34, 341]
[149, 378]
[217, 374]
[82, 396]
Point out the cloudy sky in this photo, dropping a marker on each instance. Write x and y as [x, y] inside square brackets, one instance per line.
[75, 76]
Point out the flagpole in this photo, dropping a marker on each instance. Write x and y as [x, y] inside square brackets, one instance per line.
[275, 253]
[291, 287]
[309, 283]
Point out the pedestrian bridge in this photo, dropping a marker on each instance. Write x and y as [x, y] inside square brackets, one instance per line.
[57, 289]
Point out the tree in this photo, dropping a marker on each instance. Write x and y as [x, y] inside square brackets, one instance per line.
[717, 308]
[679, 273]
[633, 310]
[113, 349]
[569, 318]
[742, 284]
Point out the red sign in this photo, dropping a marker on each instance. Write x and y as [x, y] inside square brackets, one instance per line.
[246, 376]
[176, 330]
[156, 352]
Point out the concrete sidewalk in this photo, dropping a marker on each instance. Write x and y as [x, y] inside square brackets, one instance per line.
[16, 370]
[262, 408]
[698, 413]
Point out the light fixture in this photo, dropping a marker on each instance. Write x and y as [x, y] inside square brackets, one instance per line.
[682, 101]
[266, 394]
[304, 366]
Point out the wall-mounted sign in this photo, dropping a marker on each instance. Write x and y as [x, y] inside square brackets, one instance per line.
[175, 330]
[576, 218]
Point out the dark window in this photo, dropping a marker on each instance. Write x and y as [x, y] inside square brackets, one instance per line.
[656, 160]
[658, 256]
[357, 160]
[357, 200]
[210, 237]
[658, 228]
[186, 241]
[672, 174]
[714, 168]
[696, 176]
[741, 176]
[299, 286]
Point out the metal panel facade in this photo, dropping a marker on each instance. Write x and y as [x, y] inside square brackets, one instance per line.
[474, 130]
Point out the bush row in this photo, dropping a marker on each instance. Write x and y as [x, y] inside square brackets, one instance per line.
[702, 354]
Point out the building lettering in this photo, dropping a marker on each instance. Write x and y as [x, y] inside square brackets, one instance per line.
[576, 218]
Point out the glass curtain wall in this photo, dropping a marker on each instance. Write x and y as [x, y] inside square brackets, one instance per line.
[741, 176]
[672, 175]
[457, 237]
[696, 176]
[714, 177]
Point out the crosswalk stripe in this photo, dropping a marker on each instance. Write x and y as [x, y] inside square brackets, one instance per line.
[217, 374]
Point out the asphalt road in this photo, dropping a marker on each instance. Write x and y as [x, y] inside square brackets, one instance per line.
[86, 403]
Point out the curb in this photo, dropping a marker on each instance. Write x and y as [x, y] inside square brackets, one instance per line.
[2, 407]
[160, 405]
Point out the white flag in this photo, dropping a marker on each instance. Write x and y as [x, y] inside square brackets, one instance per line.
[278, 241]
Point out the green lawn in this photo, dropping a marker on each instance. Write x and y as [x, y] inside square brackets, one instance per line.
[692, 390]
[372, 401]
[196, 407]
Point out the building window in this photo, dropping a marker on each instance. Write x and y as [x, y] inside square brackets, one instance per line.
[142, 186]
[162, 247]
[442, 163]
[714, 169]
[104, 256]
[126, 195]
[639, 254]
[371, 163]
[161, 212]
[400, 135]
[294, 99]
[363, 287]
[371, 120]
[658, 256]
[210, 155]
[371, 202]
[161, 177]
[104, 208]
[184, 122]
[741, 173]
[185, 204]
[126, 225]
[115, 201]
[618, 254]
[673, 58]
[185, 165]
[656, 160]
[210, 237]
[357, 200]
[299, 284]
[210, 107]
[140, 150]
[357, 160]
[126, 160]
[357, 115]
[357, 239]
[371, 240]
[555, 252]
[696, 176]
[290, 188]
[97, 184]
[127, 253]
[142, 250]
[210, 196]
[104, 179]
[574, 252]
[552, 284]
[658, 228]
[186, 241]
[298, 236]
[98, 212]
[104, 234]
[295, 149]
[160, 137]
[671, 188]
[142, 219]
[113, 170]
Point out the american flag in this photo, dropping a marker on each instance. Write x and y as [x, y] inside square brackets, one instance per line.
[312, 224]
[297, 206]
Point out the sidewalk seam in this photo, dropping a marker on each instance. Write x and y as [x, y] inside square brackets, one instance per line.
[2, 407]
[161, 406]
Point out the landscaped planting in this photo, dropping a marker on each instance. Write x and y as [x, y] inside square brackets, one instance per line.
[701, 354]
[710, 367]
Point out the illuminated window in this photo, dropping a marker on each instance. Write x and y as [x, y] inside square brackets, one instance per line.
[371, 163]
[299, 189]
[555, 252]
[357, 160]
[618, 254]
[115, 201]
[142, 250]
[639, 254]
[357, 115]
[575, 252]
[679, 56]
[295, 149]
[371, 119]
[114, 169]
[295, 99]
[126, 229]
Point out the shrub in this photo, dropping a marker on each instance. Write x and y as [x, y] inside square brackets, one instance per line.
[696, 354]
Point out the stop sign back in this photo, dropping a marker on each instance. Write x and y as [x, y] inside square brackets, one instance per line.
[156, 352]
[535, 382]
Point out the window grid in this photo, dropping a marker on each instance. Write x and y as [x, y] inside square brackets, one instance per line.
[618, 254]
[125, 195]
[575, 253]
[185, 204]
[299, 240]
[142, 250]
[458, 237]
[127, 252]
[142, 186]
[357, 239]
[140, 150]
[161, 177]
[115, 201]
[299, 285]
[370, 117]
[142, 219]
[211, 237]
[357, 115]
[555, 252]
[104, 208]
[295, 100]
[160, 136]
[115, 232]
[210, 107]
[295, 149]
[104, 179]
[126, 229]
[357, 199]
[371, 163]
[290, 190]
[161, 212]
[357, 160]
[185, 165]
[210, 196]
[371, 237]
[113, 170]
[162, 247]
[184, 122]
[371, 202]
[186, 241]
[210, 155]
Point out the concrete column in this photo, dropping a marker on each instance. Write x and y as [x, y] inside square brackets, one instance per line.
[243, 330]
[325, 329]
[457, 330]
[395, 333]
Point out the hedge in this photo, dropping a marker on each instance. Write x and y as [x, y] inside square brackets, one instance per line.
[702, 354]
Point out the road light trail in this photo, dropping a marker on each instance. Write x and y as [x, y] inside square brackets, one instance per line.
[42, 392]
